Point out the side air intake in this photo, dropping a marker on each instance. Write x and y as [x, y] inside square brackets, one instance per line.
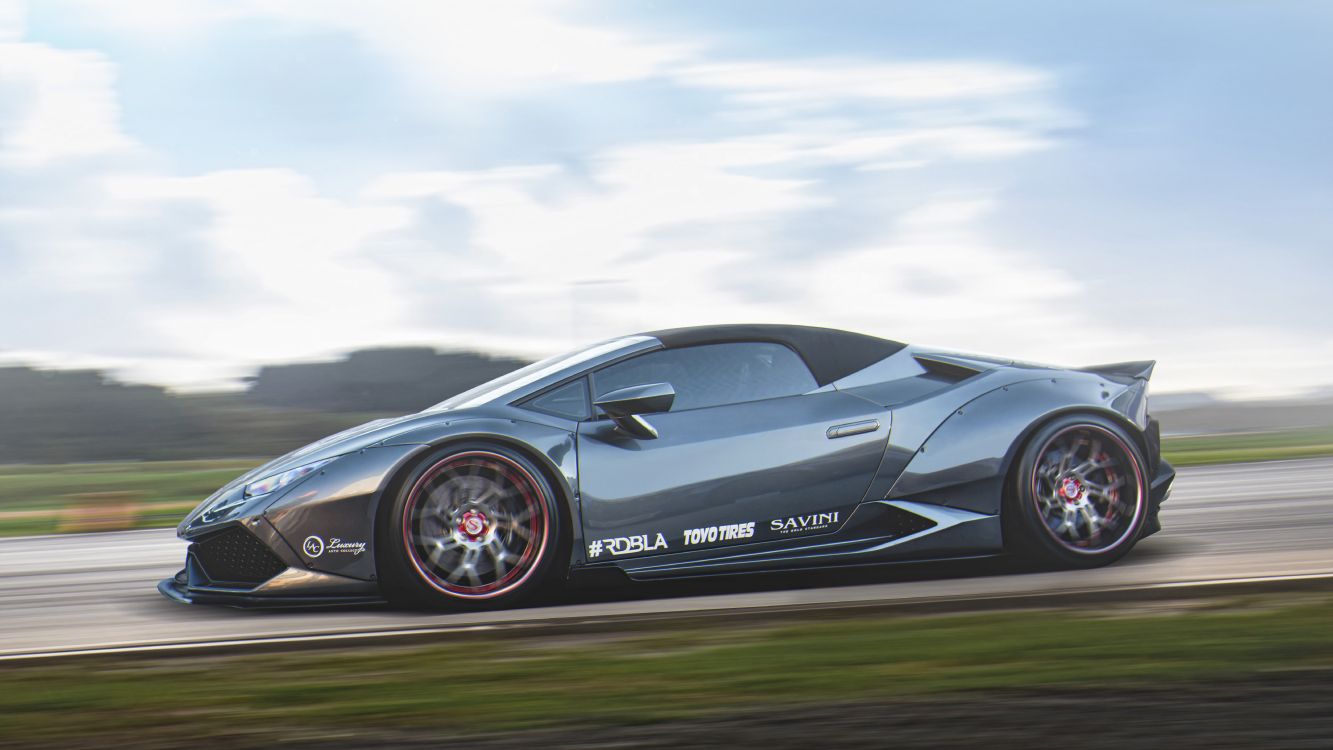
[946, 367]
[897, 523]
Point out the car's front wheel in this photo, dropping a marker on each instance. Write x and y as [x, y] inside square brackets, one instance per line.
[1078, 496]
[472, 526]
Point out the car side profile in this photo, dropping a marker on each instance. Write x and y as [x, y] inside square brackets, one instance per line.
[687, 452]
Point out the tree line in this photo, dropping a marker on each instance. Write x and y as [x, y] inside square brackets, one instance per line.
[61, 416]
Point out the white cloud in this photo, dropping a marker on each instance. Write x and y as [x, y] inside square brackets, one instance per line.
[634, 192]
[935, 277]
[162, 21]
[823, 83]
[612, 232]
[60, 104]
[11, 20]
[846, 192]
[300, 286]
[478, 46]
[105, 257]
[919, 144]
[310, 273]
[481, 49]
[1243, 361]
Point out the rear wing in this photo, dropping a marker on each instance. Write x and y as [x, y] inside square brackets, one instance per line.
[1141, 370]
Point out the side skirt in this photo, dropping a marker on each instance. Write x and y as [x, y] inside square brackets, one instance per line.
[884, 531]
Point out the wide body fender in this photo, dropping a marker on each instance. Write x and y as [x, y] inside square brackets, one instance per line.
[964, 462]
[329, 519]
[548, 444]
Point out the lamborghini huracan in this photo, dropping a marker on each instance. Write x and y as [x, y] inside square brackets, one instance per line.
[689, 452]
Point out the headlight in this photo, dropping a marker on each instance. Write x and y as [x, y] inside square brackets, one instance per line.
[278, 481]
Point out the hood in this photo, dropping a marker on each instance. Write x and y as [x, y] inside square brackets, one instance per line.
[350, 440]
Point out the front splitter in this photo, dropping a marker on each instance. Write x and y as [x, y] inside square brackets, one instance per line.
[176, 591]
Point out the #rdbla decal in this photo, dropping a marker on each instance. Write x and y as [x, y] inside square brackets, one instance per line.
[802, 524]
[626, 545]
[712, 534]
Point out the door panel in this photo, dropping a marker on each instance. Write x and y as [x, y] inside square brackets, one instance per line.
[727, 475]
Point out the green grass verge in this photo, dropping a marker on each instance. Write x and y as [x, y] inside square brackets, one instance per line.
[662, 673]
[1266, 446]
[24, 487]
[33, 497]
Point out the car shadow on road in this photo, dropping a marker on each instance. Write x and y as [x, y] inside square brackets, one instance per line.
[794, 580]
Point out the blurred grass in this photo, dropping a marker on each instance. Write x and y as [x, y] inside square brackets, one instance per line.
[663, 672]
[1244, 447]
[46, 486]
[33, 498]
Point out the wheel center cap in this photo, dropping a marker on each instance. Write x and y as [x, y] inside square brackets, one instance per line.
[1071, 489]
[472, 525]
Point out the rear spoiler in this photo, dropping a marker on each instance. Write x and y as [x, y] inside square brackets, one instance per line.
[1141, 370]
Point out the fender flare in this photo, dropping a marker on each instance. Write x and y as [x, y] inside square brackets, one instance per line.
[964, 463]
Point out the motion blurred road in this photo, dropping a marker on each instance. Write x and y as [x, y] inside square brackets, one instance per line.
[1222, 523]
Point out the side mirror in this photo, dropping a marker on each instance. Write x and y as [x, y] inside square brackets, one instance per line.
[626, 405]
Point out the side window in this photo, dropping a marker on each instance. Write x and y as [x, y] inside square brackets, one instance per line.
[713, 374]
[569, 401]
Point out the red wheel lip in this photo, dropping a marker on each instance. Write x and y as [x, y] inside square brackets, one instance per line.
[411, 548]
[1140, 504]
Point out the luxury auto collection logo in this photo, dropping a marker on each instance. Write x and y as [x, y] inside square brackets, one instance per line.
[314, 546]
[343, 546]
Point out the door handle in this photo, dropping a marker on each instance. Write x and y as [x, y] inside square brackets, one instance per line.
[852, 428]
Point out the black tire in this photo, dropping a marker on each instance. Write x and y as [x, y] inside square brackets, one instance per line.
[1056, 515]
[452, 534]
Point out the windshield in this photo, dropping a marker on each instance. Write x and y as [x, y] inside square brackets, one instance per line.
[507, 384]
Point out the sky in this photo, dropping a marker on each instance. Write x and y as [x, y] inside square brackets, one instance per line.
[191, 189]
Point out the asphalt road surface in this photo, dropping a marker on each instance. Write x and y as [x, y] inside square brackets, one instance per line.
[1224, 523]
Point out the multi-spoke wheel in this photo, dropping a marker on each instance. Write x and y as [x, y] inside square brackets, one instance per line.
[1079, 494]
[474, 525]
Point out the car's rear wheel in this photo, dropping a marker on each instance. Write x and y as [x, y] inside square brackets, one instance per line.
[473, 526]
[1078, 495]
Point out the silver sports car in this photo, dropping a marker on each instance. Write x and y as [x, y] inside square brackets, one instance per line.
[689, 452]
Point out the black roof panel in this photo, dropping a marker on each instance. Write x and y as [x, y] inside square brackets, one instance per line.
[829, 353]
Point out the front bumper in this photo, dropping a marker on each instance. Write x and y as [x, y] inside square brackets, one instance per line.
[249, 565]
[311, 544]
